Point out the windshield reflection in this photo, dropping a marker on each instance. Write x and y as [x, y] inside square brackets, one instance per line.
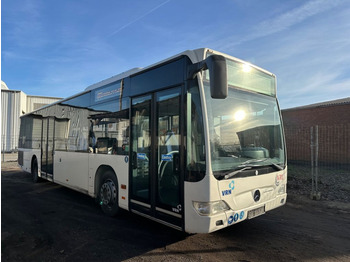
[245, 130]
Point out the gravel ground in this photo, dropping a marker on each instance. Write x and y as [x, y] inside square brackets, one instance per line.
[333, 183]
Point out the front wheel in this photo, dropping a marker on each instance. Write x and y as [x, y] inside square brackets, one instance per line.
[108, 194]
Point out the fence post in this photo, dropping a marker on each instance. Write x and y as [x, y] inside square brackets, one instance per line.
[315, 194]
[312, 161]
[318, 193]
[3, 148]
[316, 157]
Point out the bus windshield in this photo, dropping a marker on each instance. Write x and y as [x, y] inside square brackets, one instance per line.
[245, 132]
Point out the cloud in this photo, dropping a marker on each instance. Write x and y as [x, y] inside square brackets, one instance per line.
[138, 18]
[291, 18]
[27, 31]
[311, 61]
[280, 23]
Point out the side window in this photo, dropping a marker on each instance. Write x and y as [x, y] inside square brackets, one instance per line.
[196, 165]
[109, 134]
[30, 132]
[78, 129]
[61, 134]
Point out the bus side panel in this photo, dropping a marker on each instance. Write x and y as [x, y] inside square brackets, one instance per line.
[27, 159]
[120, 165]
[71, 170]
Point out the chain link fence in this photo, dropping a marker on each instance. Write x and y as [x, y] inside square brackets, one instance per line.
[9, 144]
[319, 160]
[9, 148]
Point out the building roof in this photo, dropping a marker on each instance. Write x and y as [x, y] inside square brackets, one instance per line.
[4, 86]
[342, 101]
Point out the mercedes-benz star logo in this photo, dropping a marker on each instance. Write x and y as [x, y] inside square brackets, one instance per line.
[257, 195]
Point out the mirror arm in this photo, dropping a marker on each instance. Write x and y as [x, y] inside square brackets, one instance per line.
[196, 68]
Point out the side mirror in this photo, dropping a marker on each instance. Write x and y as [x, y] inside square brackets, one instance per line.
[216, 64]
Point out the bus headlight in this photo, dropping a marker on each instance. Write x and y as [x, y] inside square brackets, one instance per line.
[210, 208]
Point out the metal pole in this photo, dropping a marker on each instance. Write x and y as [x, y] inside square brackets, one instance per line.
[312, 161]
[318, 194]
[3, 149]
[316, 157]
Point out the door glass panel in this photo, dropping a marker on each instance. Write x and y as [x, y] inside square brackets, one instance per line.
[61, 134]
[47, 145]
[168, 158]
[44, 146]
[141, 148]
[50, 145]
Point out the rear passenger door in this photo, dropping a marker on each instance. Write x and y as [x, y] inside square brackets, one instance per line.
[47, 148]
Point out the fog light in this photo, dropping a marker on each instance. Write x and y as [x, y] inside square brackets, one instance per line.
[219, 223]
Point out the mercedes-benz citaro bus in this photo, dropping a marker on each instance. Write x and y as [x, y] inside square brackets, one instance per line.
[194, 142]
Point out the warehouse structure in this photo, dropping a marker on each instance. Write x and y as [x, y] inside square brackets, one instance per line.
[332, 121]
[15, 103]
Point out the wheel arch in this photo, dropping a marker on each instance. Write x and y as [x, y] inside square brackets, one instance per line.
[99, 172]
[34, 157]
[34, 169]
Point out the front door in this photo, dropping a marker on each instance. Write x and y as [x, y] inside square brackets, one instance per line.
[156, 180]
[141, 152]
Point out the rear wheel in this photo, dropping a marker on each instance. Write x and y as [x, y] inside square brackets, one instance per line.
[108, 194]
[35, 173]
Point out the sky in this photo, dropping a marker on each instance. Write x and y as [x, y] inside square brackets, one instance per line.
[58, 48]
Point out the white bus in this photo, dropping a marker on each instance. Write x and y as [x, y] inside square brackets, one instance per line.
[194, 142]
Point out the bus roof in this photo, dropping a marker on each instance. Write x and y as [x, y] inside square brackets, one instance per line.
[195, 56]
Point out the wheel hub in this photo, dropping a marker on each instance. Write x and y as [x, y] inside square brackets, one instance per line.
[108, 194]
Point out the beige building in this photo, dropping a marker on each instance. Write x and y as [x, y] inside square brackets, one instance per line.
[15, 103]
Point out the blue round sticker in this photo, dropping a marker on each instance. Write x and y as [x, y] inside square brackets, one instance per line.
[126, 159]
[230, 220]
[241, 215]
[235, 218]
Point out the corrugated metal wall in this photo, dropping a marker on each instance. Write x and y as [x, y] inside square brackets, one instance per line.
[35, 102]
[13, 105]
[10, 122]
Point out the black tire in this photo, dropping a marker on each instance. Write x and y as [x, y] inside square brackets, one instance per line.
[108, 194]
[35, 173]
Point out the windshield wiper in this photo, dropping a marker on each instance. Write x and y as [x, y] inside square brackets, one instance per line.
[249, 165]
[229, 175]
[270, 163]
[276, 166]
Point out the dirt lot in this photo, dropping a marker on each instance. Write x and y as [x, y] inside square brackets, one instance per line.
[46, 222]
